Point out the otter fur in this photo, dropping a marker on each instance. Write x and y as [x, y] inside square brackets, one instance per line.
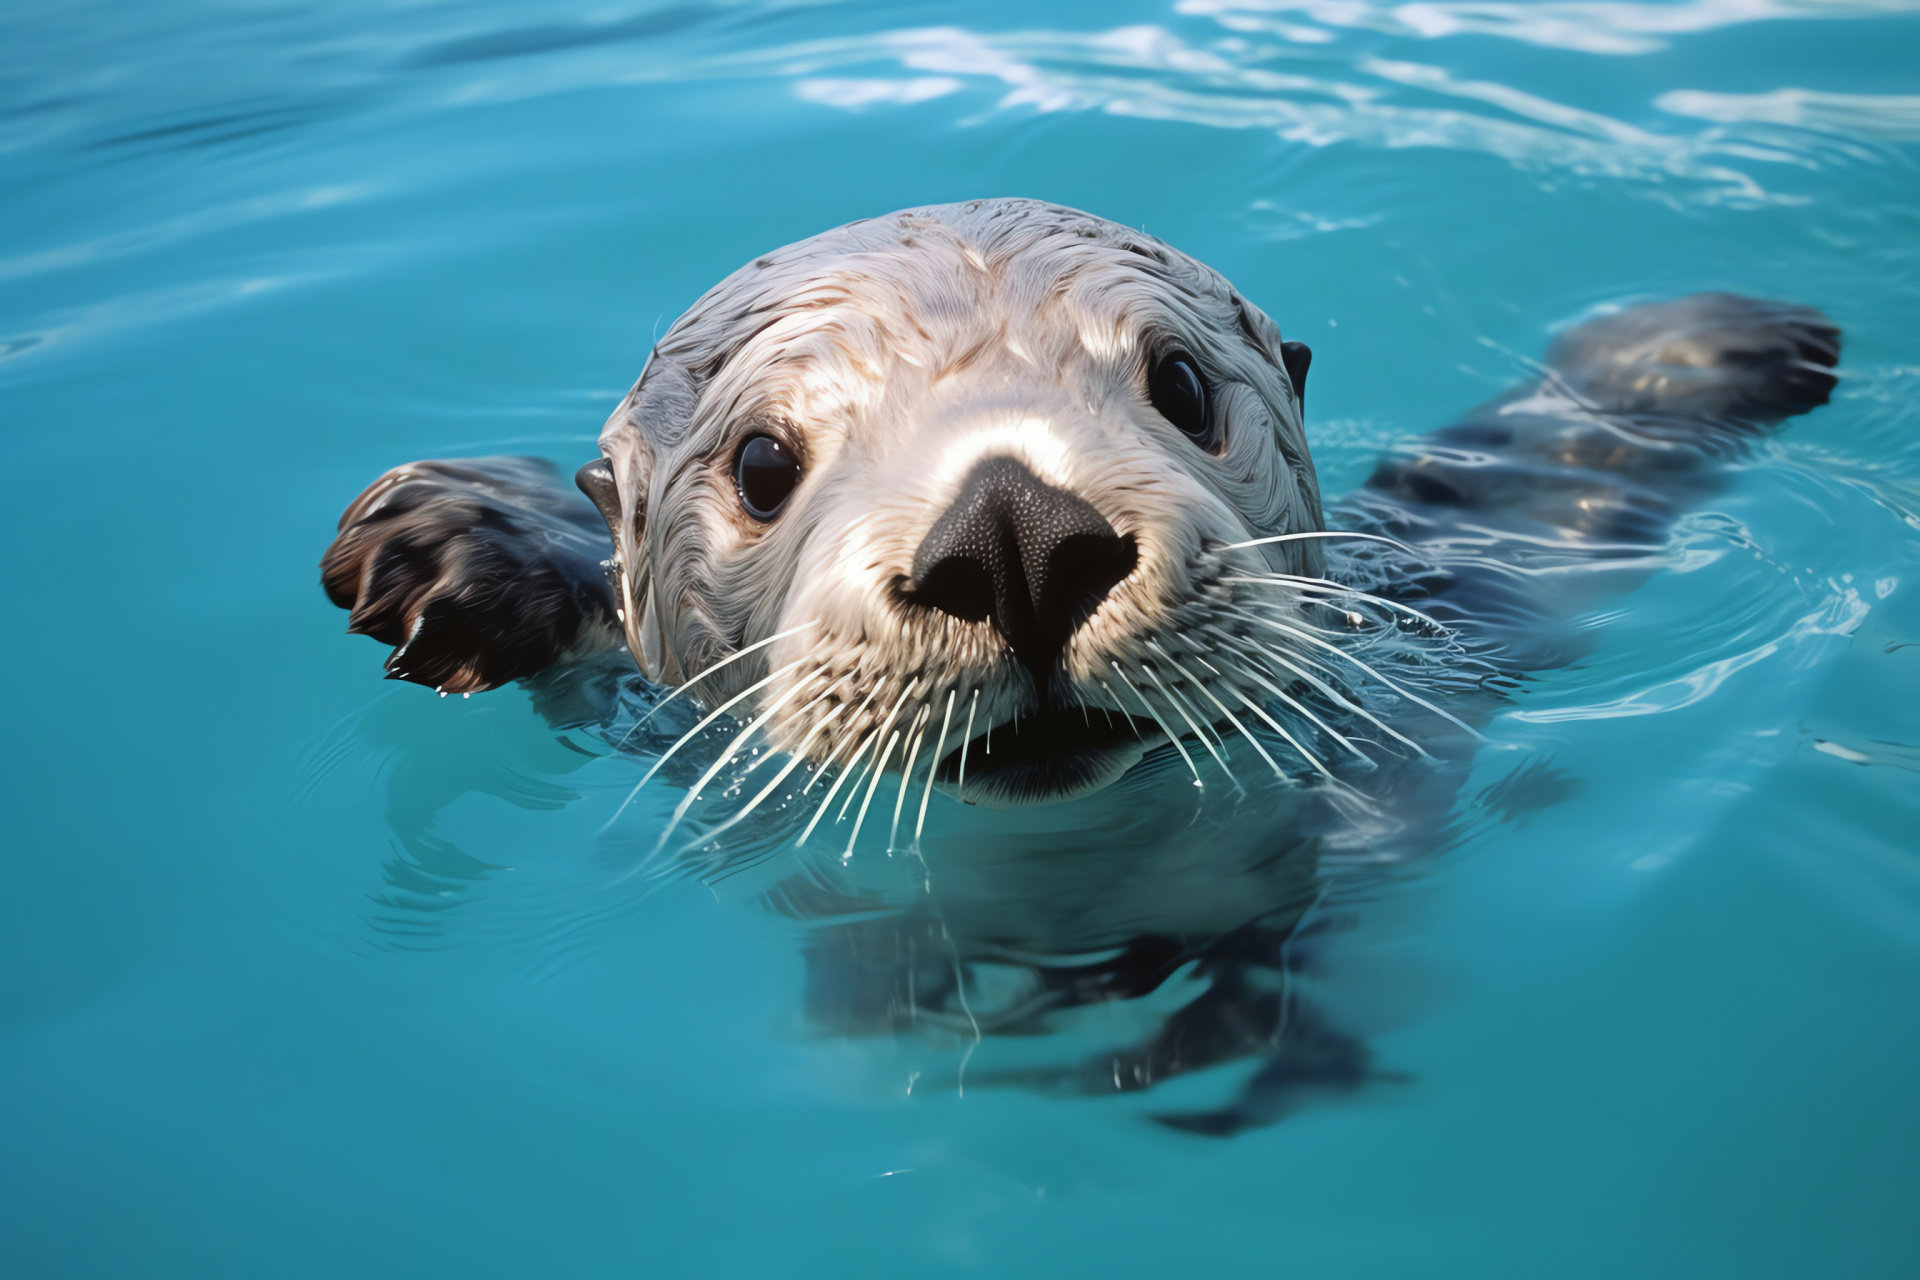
[1012, 502]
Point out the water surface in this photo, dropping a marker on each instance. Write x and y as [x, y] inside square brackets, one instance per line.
[306, 974]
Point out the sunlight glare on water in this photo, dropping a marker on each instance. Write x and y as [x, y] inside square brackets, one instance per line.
[306, 974]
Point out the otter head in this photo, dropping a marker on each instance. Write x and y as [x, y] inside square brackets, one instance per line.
[963, 488]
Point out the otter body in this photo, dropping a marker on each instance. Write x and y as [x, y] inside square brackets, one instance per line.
[1009, 502]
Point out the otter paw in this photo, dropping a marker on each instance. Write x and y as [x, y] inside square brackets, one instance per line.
[1710, 355]
[478, 571]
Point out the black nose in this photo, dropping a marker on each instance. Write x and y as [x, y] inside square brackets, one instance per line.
[1035, 559]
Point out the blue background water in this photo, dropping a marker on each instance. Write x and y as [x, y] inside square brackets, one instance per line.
[306, 974]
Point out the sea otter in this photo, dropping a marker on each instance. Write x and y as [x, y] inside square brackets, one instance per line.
[1007, 501]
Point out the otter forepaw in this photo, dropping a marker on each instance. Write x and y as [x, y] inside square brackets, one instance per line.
[1710, 355]
[478, 571]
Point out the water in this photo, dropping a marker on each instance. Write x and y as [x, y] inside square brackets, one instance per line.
[307, 974]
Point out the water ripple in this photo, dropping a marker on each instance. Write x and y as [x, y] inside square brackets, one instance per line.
[1607, 27]
[1889, 117]
[1149, 72]
[1319, 73]
[171, 231]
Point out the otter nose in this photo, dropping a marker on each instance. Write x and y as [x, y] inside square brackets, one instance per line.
[1035, 559]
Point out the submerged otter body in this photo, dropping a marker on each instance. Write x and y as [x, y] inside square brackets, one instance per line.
[1009, 502]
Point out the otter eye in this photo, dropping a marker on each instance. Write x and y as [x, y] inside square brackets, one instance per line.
[1177, 390]
[766, 476]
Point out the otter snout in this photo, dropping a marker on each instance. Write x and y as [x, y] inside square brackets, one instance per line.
[1033, 559]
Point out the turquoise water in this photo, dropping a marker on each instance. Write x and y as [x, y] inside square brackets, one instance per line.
[306, 974]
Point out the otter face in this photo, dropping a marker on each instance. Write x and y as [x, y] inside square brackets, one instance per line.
[961, 489]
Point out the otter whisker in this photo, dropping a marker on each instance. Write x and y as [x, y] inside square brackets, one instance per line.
[919, 731]
[1194, 680]
[1252, 741]
[1318, 533]
[826, 801]
[731, 658]
[1213, 742]
[1190, 714]
[1306, 711]
[884, 726]
[1234, 720]
[1108, 689]
[1326, 586]
[1271, 723]
[1312, 587]
[857, 738]
[1336, 649]
[853, 792]
[809, 705]
[1154, 716]
[1181, 707]
[1299, 661]
[847, 739]
[961, 783]
[1292, 741]
[870, 765]
[1203, 726]
[933, 766]
[1328, 691]
[688, 736]
[879, 771]
[794, 761]
[715, 714]
[1189, 709]
[726, 757]
[1254, 675]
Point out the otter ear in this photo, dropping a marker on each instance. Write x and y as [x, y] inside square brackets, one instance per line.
[596, 481]
[1297, 356]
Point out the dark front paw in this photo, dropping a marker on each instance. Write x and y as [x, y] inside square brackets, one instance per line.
[1710, 355]
[478, 571]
